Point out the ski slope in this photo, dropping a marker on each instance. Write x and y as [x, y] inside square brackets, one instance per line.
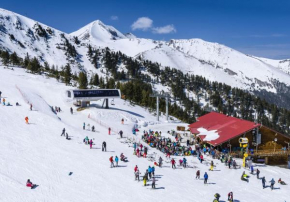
[37, 152]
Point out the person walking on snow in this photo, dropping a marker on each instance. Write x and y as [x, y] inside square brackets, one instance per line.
[109, 130]
[205, 178]
[116, 160]
[150, 172]
[121, 134]
[84, 126]
[63, 132]
[184, 162]
[112, 162]
[26, 120]
[153, 183]
[137, 175]
[272, 183]
[136, 168]
[197, 174]
[230, 197]
[264, 182]
[66, 136]
[211, 166]
[258, 173]
[71, 110]
[201, 158]
[104, 146]
[173, 163]
[160, 162]
[30, 107]
[145, 178]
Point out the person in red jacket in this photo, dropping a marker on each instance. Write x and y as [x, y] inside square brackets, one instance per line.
[112, 161]
[26, 120]
[136, 168]
[173, 163]
[201, 158]
[109, 131]
[29, 184]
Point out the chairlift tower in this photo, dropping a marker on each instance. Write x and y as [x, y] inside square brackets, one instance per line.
[158, 95]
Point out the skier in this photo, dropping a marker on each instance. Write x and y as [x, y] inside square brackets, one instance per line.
[197, 174]
[272, 183]
[29, 184]
[258, 173]
[141, 147]
[91, 143]
[112, 161]
[116, 160]
[230, 197]
[104, 146]
[86, 140]
[160, 162]
[121, 134]
[109, 130]
[153, 183]
[205, 178]
[173, 163]
[63, 132]
[180, 162]
[93, 128]
[136, 168]
[30, 107]
[71, 110]
[26, 120]
[66, 136]
[264, 182]
[84, 126]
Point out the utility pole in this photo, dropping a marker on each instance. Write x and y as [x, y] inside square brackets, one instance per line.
[158, 95]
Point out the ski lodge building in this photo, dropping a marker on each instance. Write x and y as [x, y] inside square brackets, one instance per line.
[222, 131]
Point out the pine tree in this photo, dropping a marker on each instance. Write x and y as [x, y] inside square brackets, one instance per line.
[83, 80]
[67, 74]
[5, 57]
[14, 59]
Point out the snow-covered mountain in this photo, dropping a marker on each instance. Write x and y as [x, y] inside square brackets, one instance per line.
[214, 61]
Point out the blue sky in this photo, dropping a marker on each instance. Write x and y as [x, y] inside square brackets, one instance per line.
[258, 27]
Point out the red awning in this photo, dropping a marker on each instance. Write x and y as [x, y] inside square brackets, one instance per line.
[226, 127]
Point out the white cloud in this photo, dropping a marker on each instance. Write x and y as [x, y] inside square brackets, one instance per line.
[114, 17]
[143, 23]
[164, 30]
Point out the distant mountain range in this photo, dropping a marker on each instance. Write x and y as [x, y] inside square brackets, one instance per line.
[266, 77]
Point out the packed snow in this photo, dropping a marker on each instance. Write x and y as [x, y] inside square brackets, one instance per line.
[68, 170]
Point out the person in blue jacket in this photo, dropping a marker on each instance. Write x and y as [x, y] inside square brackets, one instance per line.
[116, 160]
[205, 177]
[150, 172]
[184, 162]
[153, 170]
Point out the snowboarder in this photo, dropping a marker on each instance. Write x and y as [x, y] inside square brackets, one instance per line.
[30, 107]
[230, 197]
[244, 177]
[205, 178]
[116, 160]
[29, 184]
[63, 132]
[197, 174]
[112, 161]
[258, 173]
[272, 183]
[121, 134]
[91, 143]
[109, 130]
[26, 120]
[153, 183]
[71, 110]
[264, 182]
[123, 157]
[104, 146]
[173, 163]
[84, 126]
